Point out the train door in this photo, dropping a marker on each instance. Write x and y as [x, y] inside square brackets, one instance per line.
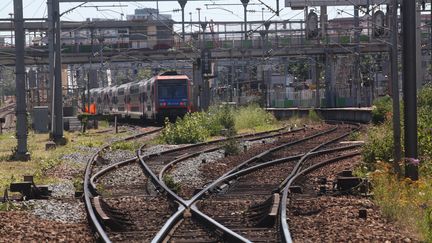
[121, 100]
[110, 100]
[134, 101]
[152, 99]
[114, 100]
[142, 93]
[148, 100]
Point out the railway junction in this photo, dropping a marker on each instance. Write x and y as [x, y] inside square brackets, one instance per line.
[215, 121]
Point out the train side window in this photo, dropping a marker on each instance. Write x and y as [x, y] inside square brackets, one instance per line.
[134, 89]
[121, 91]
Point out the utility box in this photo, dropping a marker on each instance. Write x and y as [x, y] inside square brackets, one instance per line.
[40, 119]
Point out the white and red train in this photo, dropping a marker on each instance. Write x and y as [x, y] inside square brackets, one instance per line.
[165, 95]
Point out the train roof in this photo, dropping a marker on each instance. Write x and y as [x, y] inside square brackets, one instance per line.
[160, 77]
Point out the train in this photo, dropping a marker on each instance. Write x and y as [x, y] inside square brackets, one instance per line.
[167, 95]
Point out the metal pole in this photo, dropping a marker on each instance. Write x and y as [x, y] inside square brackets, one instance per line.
[115, 124]
[2, 86]
[356, 79]
[90, 69]
[190, 19]
[51, 62]
[21, 113]
[12, 19]
[245, 3]
[409, 87]
[199, 19]
[182, 5]
[315, 78]
[58, 97]
[395, 86]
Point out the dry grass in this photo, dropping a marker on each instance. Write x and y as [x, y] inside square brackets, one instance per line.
[407, 202]
[42, 160]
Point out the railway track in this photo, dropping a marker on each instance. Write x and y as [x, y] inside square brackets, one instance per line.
[241, 204]
[99, 210]
[143, 193]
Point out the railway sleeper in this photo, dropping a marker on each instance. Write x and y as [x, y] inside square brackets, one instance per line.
[111, 217]
[29, 190]
[265, 214]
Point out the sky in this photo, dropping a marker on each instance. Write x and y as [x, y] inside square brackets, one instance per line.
[37, 9]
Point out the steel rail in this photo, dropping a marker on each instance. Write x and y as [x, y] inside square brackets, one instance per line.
[283, 218]
[284, 186]
[188, 156]
[257, 158]
[163, 232]
[131, 160]
[268, 164]
[190, 203]
[90, 192]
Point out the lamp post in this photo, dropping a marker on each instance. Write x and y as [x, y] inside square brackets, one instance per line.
[245, 3]
[199, 19]
[190, 17]
[11, 17]
[182, 5]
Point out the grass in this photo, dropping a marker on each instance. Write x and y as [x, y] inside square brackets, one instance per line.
[253, 117]
[42, 161]
[126, 145]
[407, 202]
[204, 126]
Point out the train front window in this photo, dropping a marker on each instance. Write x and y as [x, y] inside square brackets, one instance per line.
[175, 89]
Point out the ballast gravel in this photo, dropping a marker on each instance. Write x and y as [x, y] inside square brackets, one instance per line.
[188, 172]
[63, 189]
[159, 149]
[70, 211]
[126, 175]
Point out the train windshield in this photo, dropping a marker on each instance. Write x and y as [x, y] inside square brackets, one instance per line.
[172, 89]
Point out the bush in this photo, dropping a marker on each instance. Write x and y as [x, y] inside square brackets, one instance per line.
[189, 129]
[231, 147]
[219, 118]
[382, 107]
[171, 184]
[379, 145]
[313, 116]
[199, 126]
[425, 121]
[406, 201]
[253, 116]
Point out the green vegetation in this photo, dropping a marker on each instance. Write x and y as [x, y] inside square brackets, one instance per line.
[231, 147]
[125, 145]
[200, 126]
[43, 164]
[253, 117]
[189, 129]
[408, 202]
[379, 145]
[171, 184]
[313, 116]
[382, 107]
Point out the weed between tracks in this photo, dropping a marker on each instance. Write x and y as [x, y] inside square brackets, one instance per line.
[200, 126]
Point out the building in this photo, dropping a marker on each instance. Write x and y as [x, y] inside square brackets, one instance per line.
[153, 31]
